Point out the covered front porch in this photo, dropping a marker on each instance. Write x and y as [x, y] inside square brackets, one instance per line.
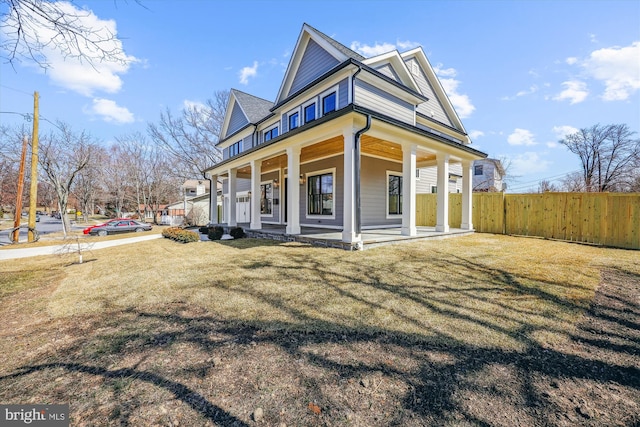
[364, 185]
[333, 238]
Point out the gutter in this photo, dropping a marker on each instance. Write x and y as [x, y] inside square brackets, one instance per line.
[356, 143]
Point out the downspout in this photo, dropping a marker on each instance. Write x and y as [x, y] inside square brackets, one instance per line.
[357, 150]
[213, 198]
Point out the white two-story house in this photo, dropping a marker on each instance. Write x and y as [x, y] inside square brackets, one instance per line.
[340, 145]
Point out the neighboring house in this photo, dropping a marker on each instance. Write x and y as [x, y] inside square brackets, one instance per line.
[488, 175]
[194, 205]
[427, 179]
[340, 145]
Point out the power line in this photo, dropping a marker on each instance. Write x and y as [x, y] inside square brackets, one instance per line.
[555, 177]
[17, 90]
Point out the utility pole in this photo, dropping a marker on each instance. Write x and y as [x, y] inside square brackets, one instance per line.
[33, 193]
[16, 218]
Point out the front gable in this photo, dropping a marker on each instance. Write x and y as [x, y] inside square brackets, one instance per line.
[315, 62]
[438, 107]
[393, 66]
[314, 54]
[243, 109]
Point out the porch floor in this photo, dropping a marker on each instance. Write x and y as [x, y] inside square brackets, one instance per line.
[333, 238]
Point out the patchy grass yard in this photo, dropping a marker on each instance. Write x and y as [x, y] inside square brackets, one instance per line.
[479, 330]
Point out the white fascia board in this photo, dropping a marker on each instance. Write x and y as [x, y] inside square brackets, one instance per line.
[397, 63]
[421, 57]
[306, 34]
[377, 81]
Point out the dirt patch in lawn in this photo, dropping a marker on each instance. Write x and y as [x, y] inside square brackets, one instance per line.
[182, 363]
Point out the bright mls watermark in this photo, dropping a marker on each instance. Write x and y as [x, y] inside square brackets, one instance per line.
[36, 415]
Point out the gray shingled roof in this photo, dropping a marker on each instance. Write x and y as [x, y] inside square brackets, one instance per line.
[342, 48]
[255, 108]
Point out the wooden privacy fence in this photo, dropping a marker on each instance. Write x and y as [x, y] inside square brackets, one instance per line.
[609, 219]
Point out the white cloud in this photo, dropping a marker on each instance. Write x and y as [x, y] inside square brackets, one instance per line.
[66, 69]
[109, 111]
[532, 89]
[188, 105]
[564, 130]
[461, 102]
[571, 60]
[248, 72]
[575, 91]
[380, 48]
[521, 137]
[476, 134]
[528, 163]
[618, 68]
[375, 50]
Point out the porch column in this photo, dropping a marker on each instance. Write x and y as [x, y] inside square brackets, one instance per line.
[232, 219]
[213, 200]
[442, 218]
[349, 234]
[256, 173]
[409, 190]
[467, 195]
[293, 191]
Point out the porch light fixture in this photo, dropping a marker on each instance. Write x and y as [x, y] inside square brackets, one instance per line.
[276, 183]
[302, 180]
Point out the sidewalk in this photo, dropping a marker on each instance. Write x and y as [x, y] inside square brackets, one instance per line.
[56, 249]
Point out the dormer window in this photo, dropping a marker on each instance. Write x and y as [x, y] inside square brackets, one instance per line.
[270, 133]
[294, 120]
[329, 103]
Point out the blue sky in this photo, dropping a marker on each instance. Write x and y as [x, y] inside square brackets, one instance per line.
[520, 73]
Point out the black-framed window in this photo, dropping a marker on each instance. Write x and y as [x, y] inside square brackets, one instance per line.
[270, 134]
[310, 113]
[329, 103]
[294, 120]
[234, 149]
[477, 170]
[320, 194]
[395, 195]
[266, 199]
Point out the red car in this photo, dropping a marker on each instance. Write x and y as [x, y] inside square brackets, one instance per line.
[91, 227]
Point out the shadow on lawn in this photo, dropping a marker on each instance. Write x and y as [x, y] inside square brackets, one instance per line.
[443, 379]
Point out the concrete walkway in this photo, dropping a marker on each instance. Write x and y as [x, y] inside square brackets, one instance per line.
[57, 249]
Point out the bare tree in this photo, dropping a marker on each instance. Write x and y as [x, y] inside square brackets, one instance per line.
[607, 155]
[32, 29]
[89, 180]
[545, 186]
[10, 150]
[148, 170]
[116, 181]
[573, 182]
[63, 155]
[190, 138]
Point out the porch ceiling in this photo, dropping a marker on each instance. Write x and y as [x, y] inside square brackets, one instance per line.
[334, 146]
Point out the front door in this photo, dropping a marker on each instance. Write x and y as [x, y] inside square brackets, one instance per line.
[243, 208]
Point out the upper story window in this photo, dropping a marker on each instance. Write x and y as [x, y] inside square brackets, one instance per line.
[310, 113]
[329, 103]
[234, 149]
[294, 120]
[477, 170]
[270, 133]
